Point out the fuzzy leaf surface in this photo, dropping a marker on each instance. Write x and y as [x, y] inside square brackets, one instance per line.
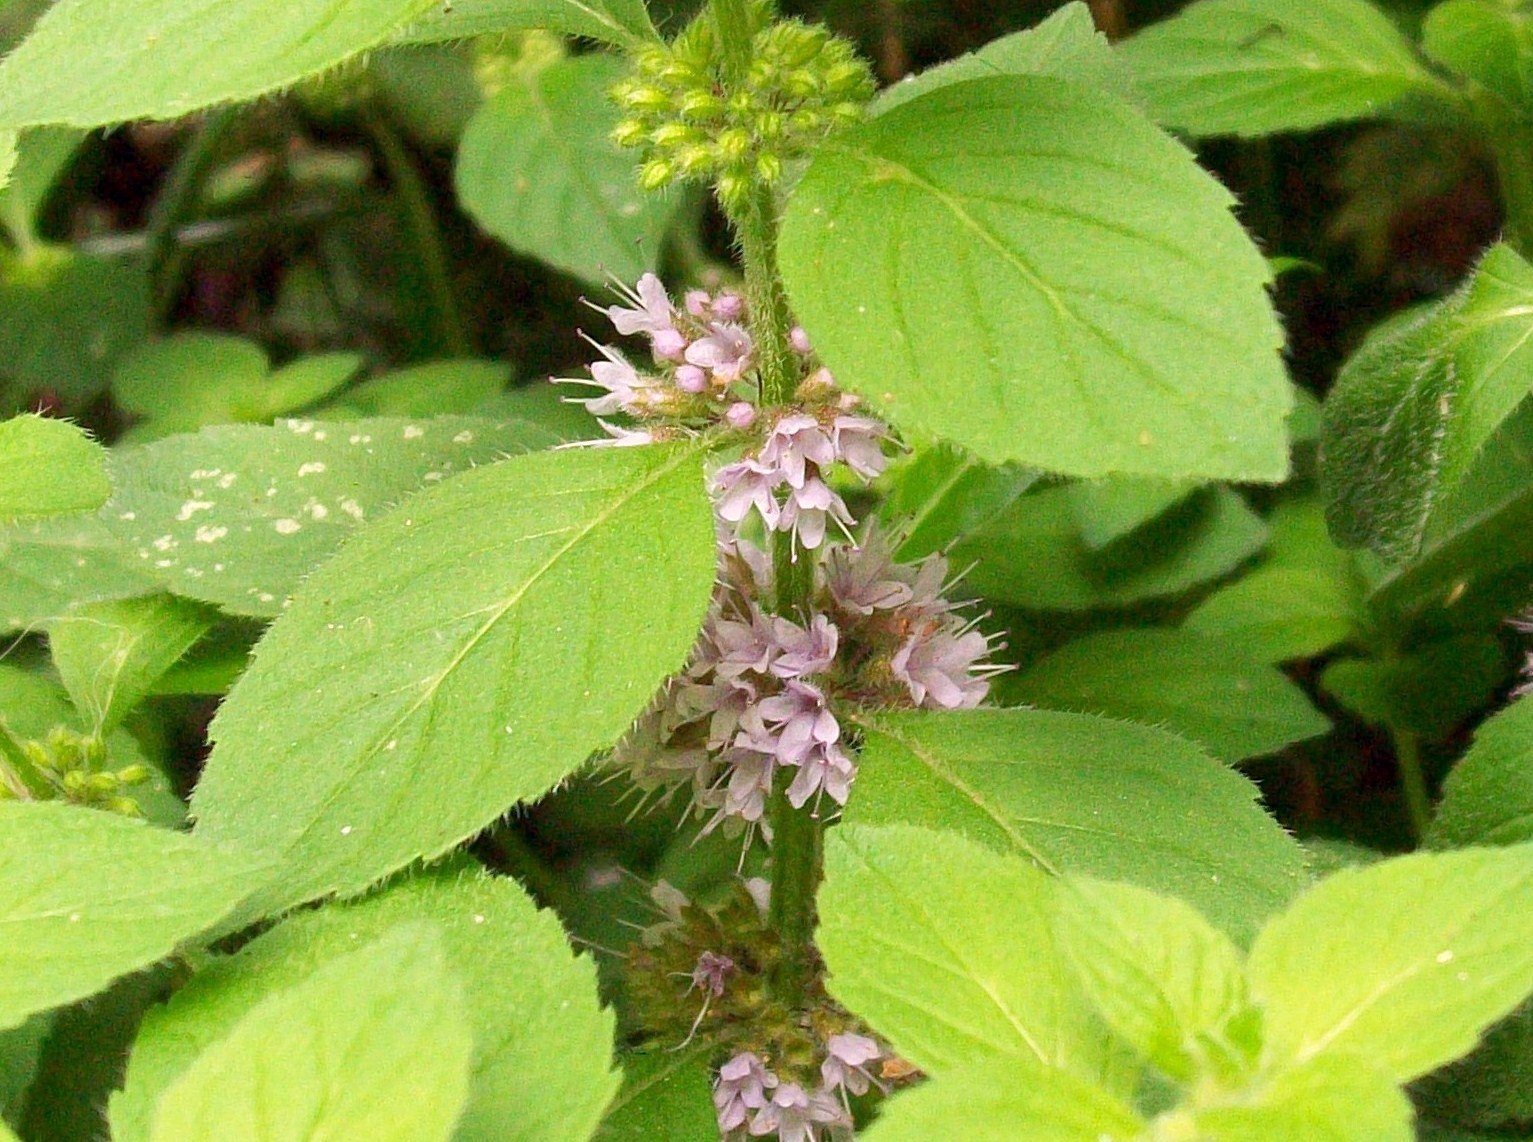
[373, 1046]
[540, 1066]
[237, 515]
[469, 650]
[50, 565]
[1234, 706]
[1490, 43]
[89, 63]
[1404, 963]
[1330, 1098]
[980, 275]
[948, 948]
[538, 171]
[1255, 67]
[87, 896]
[49, 467]
[1076, 793]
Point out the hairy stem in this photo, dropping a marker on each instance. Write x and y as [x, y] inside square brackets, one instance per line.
[421, 226]
[1413, 782]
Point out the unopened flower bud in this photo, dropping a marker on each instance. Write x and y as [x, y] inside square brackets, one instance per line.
[741, 414]
[691, 379]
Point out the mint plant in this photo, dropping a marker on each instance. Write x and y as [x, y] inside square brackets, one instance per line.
[845, 621]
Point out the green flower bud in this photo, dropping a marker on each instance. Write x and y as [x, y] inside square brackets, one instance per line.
[695, 161]
[768, 167]
[656, 173]
[669, 136]
[125, 806]
[701, 105]
[630, 133]
[643, 97]
[133, 774]
[734, 144]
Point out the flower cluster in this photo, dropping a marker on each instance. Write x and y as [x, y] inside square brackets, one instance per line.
[690, 124]
[759, 695]
[701, 353]
[70, 766]
[750, 1099]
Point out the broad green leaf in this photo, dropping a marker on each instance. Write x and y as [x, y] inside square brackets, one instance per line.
[538, 170]
[467, 651]
[440, 388]
[1234, 705]
[625, 23]
[1076, 793]
[948, 949]
[1488, 797]
[1490, 43]
[1330, 1098]
[1254, 67]
[1403, 963]
[944, 494]
[42, 155]
[1032, 554]
[1415, 406]
[48, 566]
[372, 1047]
[87, 896]
[1004, 1100]
[65, 321]
[1162, 978]
[980, 274]
[1109, 510]
[1066, 44]
[191, 380]
[541, 1062]
[237, 515]
[20, 1050]
[665, 1095]
[110, 655]
[8, 156]
[1276, 614]
[1429, 691]
[93, 62]
[48, 467]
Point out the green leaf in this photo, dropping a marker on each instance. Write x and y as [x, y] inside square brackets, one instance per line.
[1490, 43]
[87, 896]
[1109, 510]
[1000, 1100]
[238, 515]
[1164, 980]
[1254, 67]
[1403, 963]
[440, 388]
[65, 321]
[373, 1046]
[427, 683]
[1076, 793]
[1236, 707]
[1277, 614]
[947, 948]
[110, 655]
[48, 467]
[1415, 406]
[94, 62]
[21, 1049]
[191, 380]
[48, 566]
[1330, 1098]
[1033, 554]
[1429, 691]
[665, 1095]
[980, 274]
[42, 155]
[943, 494]
[625, 23]
[538, 170]
[1488, 797]
[1066, 45]
[541, 1063]
[1492, 1086]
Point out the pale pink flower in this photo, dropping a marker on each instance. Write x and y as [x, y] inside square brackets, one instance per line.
[937, 664]
[741, 1087]
[827, 767]
[845, 1066]
[725, 351]
[650, 308]
[712, 973]
[795, 1116]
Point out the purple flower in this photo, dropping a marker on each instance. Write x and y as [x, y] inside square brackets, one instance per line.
[752, 645]
[795, 1116]
[796, 441]
[749, 784]
[827, 768]
[741, 414]
[800, 340]
[741, 1087]
[712, 973]
[806, 511]
[744, 485]
[865, 578]
[859, 444]
[804, 651]
[938, 664]
[698, 302]
[691, 379]
[725, 351]
[627, 391]
[848, 1056]
[728, 306]
[788, 726]
[669, 345]
[651, 310]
